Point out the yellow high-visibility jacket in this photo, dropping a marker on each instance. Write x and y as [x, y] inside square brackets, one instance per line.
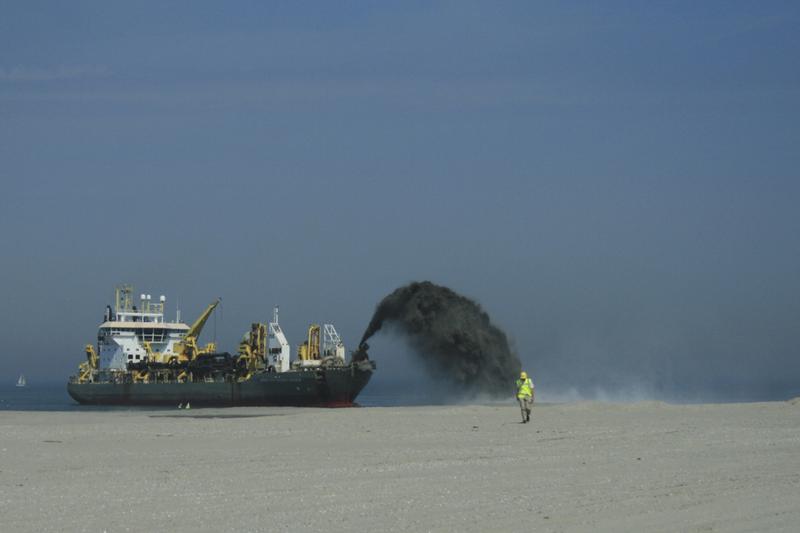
[524, 388]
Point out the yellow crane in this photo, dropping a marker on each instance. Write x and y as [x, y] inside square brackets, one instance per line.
[187, 349]
[253, 349]
[86, 368]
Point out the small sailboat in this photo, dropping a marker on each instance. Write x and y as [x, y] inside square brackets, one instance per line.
[21, 381]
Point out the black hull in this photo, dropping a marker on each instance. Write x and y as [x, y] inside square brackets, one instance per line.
[332, 386]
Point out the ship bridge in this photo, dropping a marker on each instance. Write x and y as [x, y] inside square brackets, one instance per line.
[131, 332]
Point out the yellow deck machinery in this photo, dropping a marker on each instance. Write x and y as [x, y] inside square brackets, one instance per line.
[87, 368]
[183, 352]
[253, 350]
[187, 350]
[309, 350]
[323, 346]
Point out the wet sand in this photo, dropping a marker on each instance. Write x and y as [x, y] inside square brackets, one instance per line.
[575, 467]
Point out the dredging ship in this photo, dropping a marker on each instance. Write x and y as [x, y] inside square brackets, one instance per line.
[141, 359]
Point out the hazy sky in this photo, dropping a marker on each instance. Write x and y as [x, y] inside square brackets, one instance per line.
[617, 183]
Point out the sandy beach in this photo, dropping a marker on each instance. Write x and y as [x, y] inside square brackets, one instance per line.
[575, 467]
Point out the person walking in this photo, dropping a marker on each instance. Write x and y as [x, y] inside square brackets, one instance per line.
[525, 396]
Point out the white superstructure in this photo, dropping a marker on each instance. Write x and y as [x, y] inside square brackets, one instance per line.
[122, 336]
[278, 350]
[332, 345]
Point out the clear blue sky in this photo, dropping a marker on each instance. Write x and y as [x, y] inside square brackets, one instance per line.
[617, 183]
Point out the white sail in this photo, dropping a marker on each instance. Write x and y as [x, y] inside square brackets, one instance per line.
[21, 381]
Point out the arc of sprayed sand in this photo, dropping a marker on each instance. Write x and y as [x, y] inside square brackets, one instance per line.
[453, 334]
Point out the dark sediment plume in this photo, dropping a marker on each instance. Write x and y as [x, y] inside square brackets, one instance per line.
[453, 335]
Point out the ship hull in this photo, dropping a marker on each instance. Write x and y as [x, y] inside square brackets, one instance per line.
[332, 386]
